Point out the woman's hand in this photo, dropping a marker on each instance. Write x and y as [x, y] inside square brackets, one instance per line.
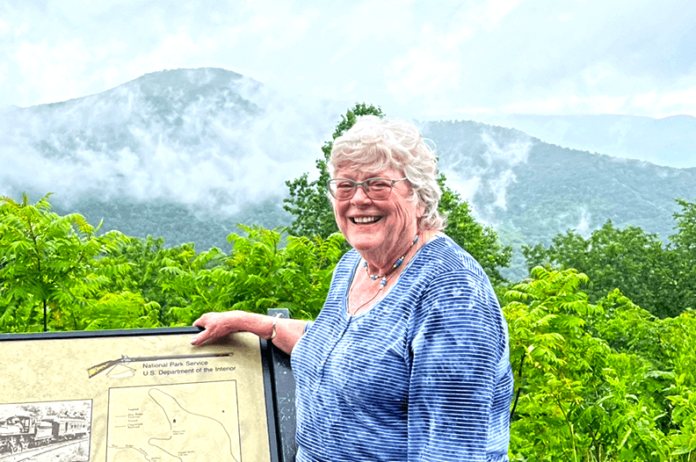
[218, 325]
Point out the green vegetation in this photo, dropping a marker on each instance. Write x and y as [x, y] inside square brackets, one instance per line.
[659, 278]
[52, 273]
[598, 382]
[602, 333]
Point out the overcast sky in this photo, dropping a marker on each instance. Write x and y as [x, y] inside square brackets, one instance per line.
[423, 59]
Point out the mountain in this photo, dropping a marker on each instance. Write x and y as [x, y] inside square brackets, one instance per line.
[531, 190]
[186, 154]
[667, 141]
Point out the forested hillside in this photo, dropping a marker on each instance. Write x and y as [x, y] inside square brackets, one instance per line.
[531, 191]
[184, 154]
[187, 154]
[597, 377]
[664, 141]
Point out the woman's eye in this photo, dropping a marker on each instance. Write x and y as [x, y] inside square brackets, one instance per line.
[379, 184]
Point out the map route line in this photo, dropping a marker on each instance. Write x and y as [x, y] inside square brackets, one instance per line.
[133, 448]
[188, 428]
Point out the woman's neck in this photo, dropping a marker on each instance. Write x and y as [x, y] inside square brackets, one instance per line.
[379, 265]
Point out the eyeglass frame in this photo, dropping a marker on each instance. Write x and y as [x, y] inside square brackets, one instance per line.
[363, 185]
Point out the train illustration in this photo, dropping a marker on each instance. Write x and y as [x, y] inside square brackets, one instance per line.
[22, 431]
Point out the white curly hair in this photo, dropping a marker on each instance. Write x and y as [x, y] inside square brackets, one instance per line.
[375, 144]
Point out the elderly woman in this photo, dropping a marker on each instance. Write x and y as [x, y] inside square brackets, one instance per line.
[408, 360]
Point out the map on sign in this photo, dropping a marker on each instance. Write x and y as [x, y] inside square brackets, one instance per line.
[192, 422]
[135, 396]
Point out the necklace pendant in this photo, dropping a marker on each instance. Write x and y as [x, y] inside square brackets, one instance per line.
[398, 263]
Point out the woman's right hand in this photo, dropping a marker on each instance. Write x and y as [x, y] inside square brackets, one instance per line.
[218, 325]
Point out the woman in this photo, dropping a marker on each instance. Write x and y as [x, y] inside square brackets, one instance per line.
[408, 359]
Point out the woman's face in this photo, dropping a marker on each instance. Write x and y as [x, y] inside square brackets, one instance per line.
[378, 229]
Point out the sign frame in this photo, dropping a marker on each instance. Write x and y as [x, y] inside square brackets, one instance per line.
[269, 354]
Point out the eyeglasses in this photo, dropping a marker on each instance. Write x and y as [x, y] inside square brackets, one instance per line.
[377, 189]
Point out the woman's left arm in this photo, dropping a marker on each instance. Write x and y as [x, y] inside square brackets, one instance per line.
[461, 382]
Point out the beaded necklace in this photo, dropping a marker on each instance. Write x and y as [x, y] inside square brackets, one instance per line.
[398, 263]
[383, 282]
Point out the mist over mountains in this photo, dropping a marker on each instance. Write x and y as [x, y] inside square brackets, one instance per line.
[532, 190]
[186, 154]
[669, 141]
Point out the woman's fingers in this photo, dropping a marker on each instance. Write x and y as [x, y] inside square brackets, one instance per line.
[211, 324]
[217, 325]
[200, 338]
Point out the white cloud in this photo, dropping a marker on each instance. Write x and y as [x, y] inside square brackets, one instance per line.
[44, 70]
[411, 57]
[498, 9]
[665, 104]
[420, 72]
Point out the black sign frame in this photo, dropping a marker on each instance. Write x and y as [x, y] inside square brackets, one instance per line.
[279, 386]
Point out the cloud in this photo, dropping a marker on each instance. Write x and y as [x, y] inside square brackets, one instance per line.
[202, 138]
[414, 58]
[482, 169]
[566, 56]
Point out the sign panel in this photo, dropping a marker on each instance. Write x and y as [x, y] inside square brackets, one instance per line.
[133, 396]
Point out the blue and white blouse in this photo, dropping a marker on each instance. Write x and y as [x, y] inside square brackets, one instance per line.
[424, 375]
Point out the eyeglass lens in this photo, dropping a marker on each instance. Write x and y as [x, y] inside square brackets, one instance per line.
[375, 188]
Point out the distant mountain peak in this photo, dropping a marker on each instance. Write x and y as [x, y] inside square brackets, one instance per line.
[188, 79]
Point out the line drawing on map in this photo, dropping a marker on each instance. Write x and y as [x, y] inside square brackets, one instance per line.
[192, 422]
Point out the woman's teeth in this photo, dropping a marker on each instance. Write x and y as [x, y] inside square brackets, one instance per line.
[364, 220]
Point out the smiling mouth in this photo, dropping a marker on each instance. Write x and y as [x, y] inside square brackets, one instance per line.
[365, 220]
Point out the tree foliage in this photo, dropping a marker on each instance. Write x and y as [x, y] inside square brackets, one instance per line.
[146, 258]
[51, 275]
[258, 274]
[588, 390]
[657, 277]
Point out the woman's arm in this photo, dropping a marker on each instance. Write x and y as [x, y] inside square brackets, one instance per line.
[216, 325]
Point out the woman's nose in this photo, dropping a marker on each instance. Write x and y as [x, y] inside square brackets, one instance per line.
[360, 195]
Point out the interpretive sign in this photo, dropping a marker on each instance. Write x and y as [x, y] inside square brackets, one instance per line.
[140, 395]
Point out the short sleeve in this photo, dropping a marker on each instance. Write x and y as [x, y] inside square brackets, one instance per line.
[458, 342]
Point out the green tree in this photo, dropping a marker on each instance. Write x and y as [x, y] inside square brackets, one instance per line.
[262, 271]
[576, 398]
[629, 259]
[52, 273]
[684, 246]
[146, 259]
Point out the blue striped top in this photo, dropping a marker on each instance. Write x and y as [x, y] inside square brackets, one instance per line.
[424, 375]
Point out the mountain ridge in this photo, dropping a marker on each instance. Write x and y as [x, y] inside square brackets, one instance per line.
[667, 141]
[187, 153]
